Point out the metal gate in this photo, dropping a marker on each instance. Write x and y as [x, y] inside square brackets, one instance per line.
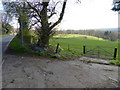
[100, 52]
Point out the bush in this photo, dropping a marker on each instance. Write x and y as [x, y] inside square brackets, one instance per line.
[16, 46]
[115, 62]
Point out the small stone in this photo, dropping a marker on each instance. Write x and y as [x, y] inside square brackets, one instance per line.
[50, 72]
[12, 81]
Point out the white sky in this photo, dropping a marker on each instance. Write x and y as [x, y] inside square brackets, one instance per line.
[88, 15]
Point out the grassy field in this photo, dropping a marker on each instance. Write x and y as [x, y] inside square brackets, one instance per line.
[70, 46]
[73, 44]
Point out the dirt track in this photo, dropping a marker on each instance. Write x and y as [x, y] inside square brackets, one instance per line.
[31, 72]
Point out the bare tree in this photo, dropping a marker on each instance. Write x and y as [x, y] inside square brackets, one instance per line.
[6, 27]
[18, 10]
[43, 11]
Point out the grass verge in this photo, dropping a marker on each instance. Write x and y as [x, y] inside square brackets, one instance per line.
[4, 35]
[15, 47]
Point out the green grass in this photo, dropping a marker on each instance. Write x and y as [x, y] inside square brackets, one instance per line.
[115, 62]
[4, 35]
[76, 43]
[16, 47]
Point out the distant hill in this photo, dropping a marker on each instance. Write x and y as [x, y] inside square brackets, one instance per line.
[109, 29]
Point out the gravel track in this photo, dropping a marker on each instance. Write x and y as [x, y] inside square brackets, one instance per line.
[34, 72]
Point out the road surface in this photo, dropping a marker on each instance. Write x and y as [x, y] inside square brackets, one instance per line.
[4, 42]
[40, 72]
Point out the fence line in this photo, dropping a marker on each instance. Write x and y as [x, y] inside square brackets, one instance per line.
[98, 51]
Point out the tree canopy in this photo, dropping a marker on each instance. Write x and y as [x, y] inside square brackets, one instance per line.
[38, 14]
[6, 27]
[116, 6]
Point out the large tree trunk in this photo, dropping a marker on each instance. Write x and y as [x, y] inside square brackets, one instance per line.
[46, 27]
[43, 41]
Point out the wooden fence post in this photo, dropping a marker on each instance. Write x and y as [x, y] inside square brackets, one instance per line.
[115, 53]
[98, 52]
[21, 29]
[84, 50]
[68, 47]
[57, 48]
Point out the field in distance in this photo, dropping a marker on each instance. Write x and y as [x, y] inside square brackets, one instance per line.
[73, 43]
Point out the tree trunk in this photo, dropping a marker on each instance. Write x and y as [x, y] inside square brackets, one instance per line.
[46, 27]
[19, 33]
[43, 41]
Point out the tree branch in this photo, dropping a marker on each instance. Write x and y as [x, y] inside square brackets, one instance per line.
[53, 10]
[36, 18]
[34, 9]
[51, 15]
[61, 15]
[32, 25]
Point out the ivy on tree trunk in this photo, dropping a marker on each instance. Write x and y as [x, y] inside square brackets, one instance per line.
[46, 29]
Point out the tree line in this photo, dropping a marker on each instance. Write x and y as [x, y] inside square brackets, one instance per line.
[109, 35]
[37, 15]
[40, 15]
[6, 28]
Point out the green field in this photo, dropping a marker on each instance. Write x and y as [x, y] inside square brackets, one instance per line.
[73, 44]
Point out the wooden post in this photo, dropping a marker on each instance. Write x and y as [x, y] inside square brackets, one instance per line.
[115, 53]
[57, 48]
[84, 50]
[68, 47]
[98, 52]
[21, 33]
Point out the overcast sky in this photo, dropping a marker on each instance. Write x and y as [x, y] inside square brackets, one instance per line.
[89, 14]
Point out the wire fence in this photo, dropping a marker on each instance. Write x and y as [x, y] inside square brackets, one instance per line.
[101, 52]
[97, 51]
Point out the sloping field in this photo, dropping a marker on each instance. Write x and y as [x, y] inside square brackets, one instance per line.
[73, 43]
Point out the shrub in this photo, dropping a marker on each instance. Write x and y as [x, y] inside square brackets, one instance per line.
[16, 46]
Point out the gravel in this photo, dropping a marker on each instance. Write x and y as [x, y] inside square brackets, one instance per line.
[39, 72]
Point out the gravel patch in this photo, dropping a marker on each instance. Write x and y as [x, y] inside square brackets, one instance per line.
[32, 72]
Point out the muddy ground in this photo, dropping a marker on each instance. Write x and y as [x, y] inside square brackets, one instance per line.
[39, 72]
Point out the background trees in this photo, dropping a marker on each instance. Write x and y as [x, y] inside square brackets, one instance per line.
[37, 14]
[41, 16]
[5, 22]
[109, 35]
[20, 11]
[116, 6]
[43, 11]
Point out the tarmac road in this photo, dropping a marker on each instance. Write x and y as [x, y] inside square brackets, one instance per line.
[5, 42]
